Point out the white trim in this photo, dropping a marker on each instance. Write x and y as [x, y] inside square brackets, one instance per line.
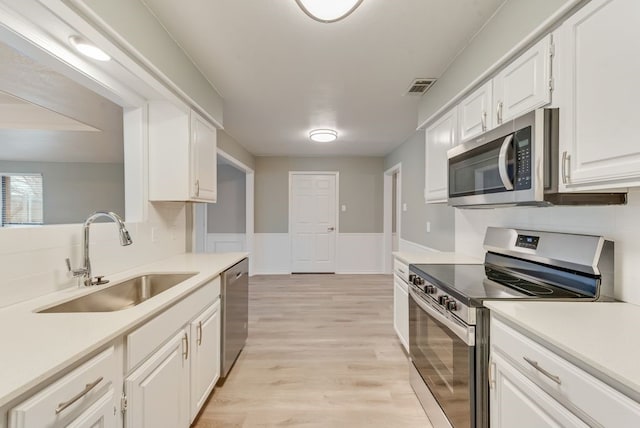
[225, 242]
[337, 211]
[529, 40]
[387, 228]
[359, 253]
[412, 247]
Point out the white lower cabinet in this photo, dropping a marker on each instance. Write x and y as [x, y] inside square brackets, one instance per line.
[401, 311]
[72, 400]
[102, 414]
[158, 391]
[205, 356]
[532, 386]
[518, 402]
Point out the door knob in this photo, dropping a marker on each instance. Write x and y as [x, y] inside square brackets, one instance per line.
[330, 229]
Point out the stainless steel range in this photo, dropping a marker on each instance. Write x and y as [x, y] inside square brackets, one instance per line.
[449, 328]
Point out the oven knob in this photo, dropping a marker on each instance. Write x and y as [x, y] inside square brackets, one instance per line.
[443, 299]
[418, 281]
[412, 276]
[430, 289]
[452, 305]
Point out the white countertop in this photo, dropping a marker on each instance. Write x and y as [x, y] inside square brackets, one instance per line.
[37, 346]
[436, 257]
[602, 338]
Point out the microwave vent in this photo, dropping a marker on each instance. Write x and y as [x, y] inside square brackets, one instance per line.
[420, 86]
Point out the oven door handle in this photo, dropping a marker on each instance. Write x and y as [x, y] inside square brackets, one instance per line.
[466, 334]
[502, 163]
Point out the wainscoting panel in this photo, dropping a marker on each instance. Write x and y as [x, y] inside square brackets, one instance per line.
[225, 242]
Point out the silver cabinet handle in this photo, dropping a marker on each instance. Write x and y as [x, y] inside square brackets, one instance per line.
[199, 333]
[483, 120]
[197, 187]
[536, 366]
[88, 387]
[330, 229]
[185, 346]
[565, 167]
[499, 112]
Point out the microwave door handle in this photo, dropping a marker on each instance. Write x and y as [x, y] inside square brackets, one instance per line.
[502, 163]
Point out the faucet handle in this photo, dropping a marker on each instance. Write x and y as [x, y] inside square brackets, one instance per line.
[75, 272]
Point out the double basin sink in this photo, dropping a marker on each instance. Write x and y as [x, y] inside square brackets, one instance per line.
[120, 296]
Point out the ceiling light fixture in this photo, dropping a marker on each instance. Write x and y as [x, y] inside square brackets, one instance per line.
[323, 135]
[88, 49]
[328, 10]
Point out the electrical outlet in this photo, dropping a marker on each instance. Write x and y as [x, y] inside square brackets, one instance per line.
[428, 226]
[154, 235]
[343, 208]
[404, 207]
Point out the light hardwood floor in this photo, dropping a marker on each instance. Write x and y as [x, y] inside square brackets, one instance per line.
[322, 352]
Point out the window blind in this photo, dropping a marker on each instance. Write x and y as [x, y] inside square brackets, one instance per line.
[22, 199]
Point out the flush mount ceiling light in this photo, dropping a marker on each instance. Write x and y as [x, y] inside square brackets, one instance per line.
[323, 135]
[328, 10]
[88, 49]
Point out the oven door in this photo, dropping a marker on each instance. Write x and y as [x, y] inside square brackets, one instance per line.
[443, 352]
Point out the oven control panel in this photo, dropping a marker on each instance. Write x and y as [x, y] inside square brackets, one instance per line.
[444, 302]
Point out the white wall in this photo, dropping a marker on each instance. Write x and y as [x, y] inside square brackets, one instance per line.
[617, 223]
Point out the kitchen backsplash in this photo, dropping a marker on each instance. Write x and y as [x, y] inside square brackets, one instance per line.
[32, 260]
[617, 223]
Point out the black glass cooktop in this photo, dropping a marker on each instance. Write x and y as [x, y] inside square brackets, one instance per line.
[475, 283]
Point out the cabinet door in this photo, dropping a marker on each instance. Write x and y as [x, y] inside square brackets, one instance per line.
[102, 414]
[524, 84]
[205, 357]
[599, 125]
[440, 137]
[401, 312]
[476, 113]
[517, 402]
[158, 391]
[203, 159]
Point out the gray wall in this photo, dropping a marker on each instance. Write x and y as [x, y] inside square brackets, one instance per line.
[72, 191]
[131, 20]
[229, 213]
[413, 221]
[515, 20]
[230, 146]
[361, 189]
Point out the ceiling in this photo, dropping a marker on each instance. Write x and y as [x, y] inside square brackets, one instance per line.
[282, 74]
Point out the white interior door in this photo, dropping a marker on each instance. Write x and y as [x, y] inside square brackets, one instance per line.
[313, 222]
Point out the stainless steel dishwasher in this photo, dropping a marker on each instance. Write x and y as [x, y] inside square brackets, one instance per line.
[234, 291]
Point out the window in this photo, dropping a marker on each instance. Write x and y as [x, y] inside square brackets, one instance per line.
[21, 199]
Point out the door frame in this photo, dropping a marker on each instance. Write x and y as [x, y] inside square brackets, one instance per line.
[199, 229]
[337, 212]
[387, 228]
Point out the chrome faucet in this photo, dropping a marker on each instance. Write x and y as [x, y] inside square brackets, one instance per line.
[85, 271]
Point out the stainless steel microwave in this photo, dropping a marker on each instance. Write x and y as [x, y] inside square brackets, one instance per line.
[515, 164]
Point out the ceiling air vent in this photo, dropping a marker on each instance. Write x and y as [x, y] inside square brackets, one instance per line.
[420, 86]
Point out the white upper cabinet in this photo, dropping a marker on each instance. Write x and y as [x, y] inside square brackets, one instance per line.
[440, 137]
[203, 159]
[599, 68]
[182, 155]
[475, 112]
[524, 84]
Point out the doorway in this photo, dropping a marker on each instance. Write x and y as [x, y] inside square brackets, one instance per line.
[313, 221]
[227, 226]
[392, 215]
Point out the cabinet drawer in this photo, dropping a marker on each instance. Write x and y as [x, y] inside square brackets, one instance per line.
[567, 383]
[401, 269]
[153, 334]
[67, 398]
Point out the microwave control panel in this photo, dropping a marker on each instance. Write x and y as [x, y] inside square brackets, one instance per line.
[523, 159]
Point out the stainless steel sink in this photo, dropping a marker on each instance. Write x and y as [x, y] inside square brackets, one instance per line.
[123, 295]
